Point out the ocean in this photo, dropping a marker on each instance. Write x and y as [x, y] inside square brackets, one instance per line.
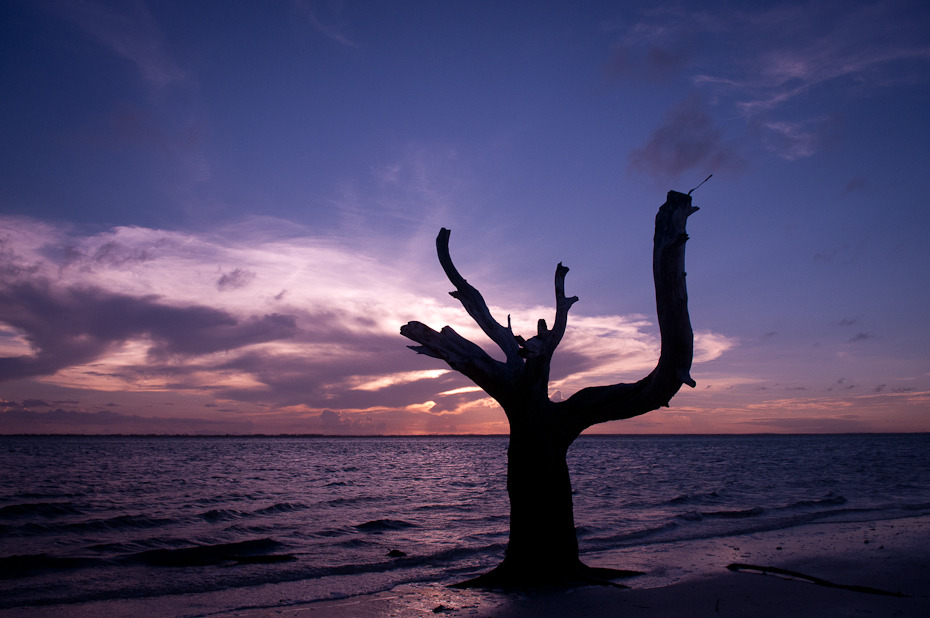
[104, 518]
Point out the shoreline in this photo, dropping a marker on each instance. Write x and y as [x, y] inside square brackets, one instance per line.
[687, 578]
[690, 578]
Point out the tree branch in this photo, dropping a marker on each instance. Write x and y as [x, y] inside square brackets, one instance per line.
[458, 352]
[562, 305]
[598, 404]
[539, 349]
[475, 305]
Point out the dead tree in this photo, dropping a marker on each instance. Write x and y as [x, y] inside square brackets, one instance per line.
[543, 547]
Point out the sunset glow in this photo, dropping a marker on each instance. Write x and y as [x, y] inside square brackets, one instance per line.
[200, 234]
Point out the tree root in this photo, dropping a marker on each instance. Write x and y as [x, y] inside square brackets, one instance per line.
[737, 567]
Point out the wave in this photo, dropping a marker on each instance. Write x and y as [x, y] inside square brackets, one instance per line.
[118, 523]
[242, 552]
[694, 525]
[40, 509]
[807, 506]
[830, 500]
[29, 564]
[46, 495]
[242, 528]
[222, 498]
[214, 515]
[281, 507]
[711, 496]
[383, 525]
[462, 508]
[330, 532]
[339, 502]
[636, 535]
[123, 522]
[355, 542]
[137, 545]
[737, 514]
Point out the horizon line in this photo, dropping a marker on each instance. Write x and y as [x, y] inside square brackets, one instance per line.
[444, 435]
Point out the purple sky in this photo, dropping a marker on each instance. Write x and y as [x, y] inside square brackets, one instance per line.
[214, 217]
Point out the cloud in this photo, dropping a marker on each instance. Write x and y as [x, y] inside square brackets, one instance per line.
[762, 62]
[332, 422]
[807, 424]
[129, 126]
[842, 384]
[235, 279]
[116, 254]
[68, 326]
[139, 309]
[790, 140]
[659, 46]
[793, 140]
[20, 420]
[857, 184]
[653, 64]
[328, 25]
[137, 312]
[687, 139]
[802, 46]
[127, 30]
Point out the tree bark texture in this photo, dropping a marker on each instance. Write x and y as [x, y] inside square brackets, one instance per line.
[543, 546]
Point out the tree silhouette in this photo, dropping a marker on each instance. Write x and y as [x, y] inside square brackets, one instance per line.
[543, 547]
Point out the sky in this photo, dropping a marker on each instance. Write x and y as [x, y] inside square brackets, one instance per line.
[215, 216]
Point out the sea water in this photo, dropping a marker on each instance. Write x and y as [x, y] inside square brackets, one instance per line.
[97, 518]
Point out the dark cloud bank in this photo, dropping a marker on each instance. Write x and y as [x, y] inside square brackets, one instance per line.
[76, 325]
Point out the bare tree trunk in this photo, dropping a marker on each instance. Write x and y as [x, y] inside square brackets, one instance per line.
[542, 525]
[543, 546]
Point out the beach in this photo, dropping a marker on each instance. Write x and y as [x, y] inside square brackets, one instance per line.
[689, 578]
[890, 556]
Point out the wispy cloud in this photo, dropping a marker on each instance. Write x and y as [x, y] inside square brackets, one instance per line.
[760, 63]
[127, 30]
[326, 18]
[166, 119]
[658, 47]
[807, 45]
[794, 140]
